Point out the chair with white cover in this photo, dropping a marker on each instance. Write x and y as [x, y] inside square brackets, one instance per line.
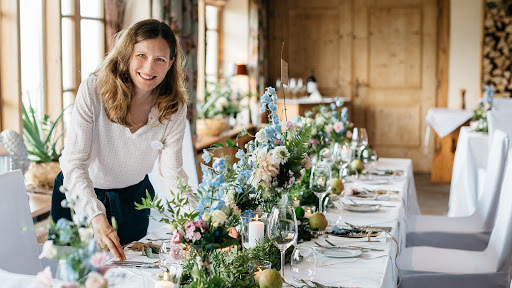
[483, 218]
[189, 165]
[502, 104]
[19, 250]
[499, 120]
[437, 267]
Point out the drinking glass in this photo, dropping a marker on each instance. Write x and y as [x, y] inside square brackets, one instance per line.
[320, 182]
[303, 264]
[363, 141]
[282, 230]
[342, 155]
[169, 254]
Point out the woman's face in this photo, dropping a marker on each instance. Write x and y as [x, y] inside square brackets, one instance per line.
[149, 63]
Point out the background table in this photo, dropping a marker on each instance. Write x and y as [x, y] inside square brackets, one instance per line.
[468, 172]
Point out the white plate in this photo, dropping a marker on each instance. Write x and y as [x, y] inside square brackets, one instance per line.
[362, 207]
[374, 181]
[340, 253]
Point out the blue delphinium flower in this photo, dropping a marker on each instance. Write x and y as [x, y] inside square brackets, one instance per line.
[207, 156]
[333, 106]
[219, 164]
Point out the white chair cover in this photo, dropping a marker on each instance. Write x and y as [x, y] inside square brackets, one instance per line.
[483, 218]
[499, 120]
[502, 104]
[189, 165]
[19, 250]
[424, 266]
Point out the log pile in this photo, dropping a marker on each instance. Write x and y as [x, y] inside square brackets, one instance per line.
[497, 50]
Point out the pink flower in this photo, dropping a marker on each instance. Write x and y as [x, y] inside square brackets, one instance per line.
[268, 167]
[349, 134]
[328, 128]
[289, 125]
[307, 161]
[339, 126]
[43, 278]
[258, 209]
[99, 260]
[95, 280]
[277, 142]
[197, 236]
[200, 224]
[177, 237]
[313, 142]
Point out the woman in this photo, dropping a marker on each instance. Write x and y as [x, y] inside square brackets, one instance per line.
[129, 112]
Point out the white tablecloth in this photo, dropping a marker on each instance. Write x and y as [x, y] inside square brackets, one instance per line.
[444, 121]
[468, 171]
[371, 269]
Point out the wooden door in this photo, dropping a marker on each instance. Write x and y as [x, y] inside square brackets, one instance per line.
[379, 53]
[394, 75]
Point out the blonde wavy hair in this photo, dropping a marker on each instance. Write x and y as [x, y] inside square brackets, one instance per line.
[115, 84]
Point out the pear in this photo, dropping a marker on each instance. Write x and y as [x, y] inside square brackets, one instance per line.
[317, 221]
[270, 278]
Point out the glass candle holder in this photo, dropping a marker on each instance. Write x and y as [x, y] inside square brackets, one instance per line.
[258, 266]
[254, 227]
[308, 211]
[171, 278]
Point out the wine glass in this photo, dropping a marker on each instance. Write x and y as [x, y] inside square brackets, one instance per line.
[303, 263]
[362, 141]
[170, 254]
[320, 181]
[282, 230]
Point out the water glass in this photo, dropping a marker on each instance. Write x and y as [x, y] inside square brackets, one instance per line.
[320, 182]
[303, 264]
[282, 230]
[170, 254]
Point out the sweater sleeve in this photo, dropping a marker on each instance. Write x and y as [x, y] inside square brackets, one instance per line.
[171, 159]
[76, 155]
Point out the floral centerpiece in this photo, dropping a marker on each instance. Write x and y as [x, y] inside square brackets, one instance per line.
[80, 264]
[479, 121]
[328, 126]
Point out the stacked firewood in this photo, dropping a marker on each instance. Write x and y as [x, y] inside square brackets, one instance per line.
[497, 51]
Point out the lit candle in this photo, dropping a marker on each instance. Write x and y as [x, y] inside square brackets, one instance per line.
[256, 232]
[321, 181]
[165, 283]
[307, 214]
[345, 153]
[257, 274]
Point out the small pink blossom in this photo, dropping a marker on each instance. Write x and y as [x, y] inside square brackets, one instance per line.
[197, 236]
[43, 278]
[95, 280]
[349, 134]
[232, 232]
[177, 237]
[277, 142]
[328, 128]
[258, 209]
[200, 224]
[339, 126]
[313, 142]
[289, 125]
[99, 261]
[307, 161]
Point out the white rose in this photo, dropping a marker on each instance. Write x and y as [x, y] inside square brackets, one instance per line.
[229, 197]
[85, 234]
[206, 217]
[313, 131]
[218, 218]
[49, 250]
[319, 120]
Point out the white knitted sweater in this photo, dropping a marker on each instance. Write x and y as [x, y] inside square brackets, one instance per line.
[101, 154]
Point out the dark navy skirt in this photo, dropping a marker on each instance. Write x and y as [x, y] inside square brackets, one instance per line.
[132, 224]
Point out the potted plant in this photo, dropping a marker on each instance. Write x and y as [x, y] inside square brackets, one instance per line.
[41, 141]
[219, 105]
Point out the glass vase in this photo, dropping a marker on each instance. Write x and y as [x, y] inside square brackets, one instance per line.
[204, 265]
[254, 227]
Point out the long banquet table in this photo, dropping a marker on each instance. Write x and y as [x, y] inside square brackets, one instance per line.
[371, 269]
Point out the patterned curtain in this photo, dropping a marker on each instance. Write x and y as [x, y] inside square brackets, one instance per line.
[114, 15]
[258, 63]
[181, 16]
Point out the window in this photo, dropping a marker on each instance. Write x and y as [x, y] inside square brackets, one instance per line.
[83, 44]
[212, 43]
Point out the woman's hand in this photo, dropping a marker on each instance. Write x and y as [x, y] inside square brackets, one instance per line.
[106, 237]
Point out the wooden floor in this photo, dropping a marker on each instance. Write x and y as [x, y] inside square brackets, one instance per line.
[432, 197]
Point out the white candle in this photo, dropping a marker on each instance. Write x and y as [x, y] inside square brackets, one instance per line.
[164, 284]
[256, 232]
[307, 214]
[345, 153]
